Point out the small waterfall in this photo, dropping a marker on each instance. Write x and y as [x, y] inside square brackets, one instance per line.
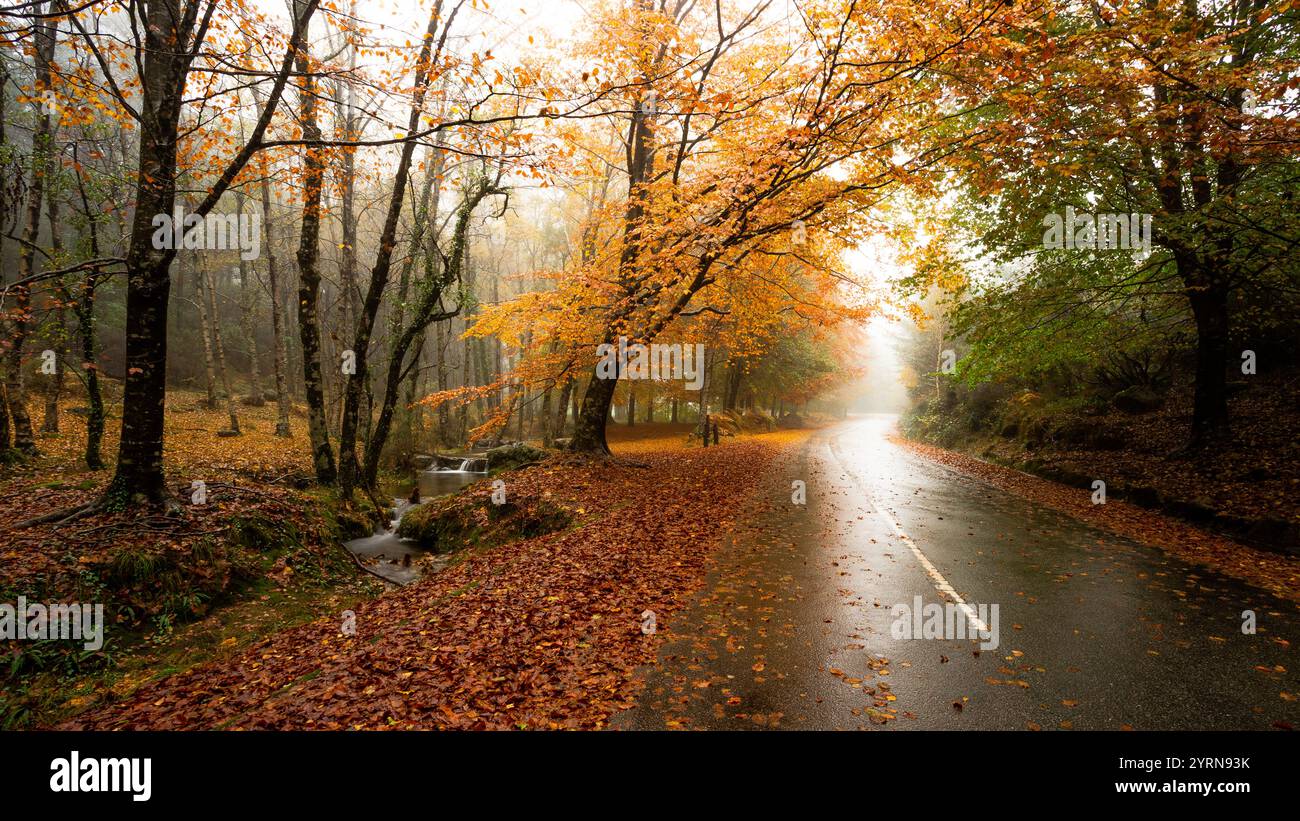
[472, 464]
[390, 557]
[400, 507]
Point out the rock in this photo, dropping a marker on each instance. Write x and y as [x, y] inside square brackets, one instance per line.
[1108, 440]
[1147, 497]
[790, 420]
[353, 525]
[1137, 399]
[1276, 535]
[439, 461]
[464, 520]
[510, 456]
[1074, 432]
[489, 444]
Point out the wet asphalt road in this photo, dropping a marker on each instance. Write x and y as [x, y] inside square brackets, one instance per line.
[1094, 631]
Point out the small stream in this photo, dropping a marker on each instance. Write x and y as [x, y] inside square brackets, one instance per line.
[395, 559]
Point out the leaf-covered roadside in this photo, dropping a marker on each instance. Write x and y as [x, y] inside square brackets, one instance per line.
[1249, 482]
[538, 633]
[1270, 571]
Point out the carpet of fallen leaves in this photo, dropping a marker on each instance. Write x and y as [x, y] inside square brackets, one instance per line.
[49, 561]
[192, 446]
[246, 475]
[538, 633]
[1271, 571]
[1254, 474]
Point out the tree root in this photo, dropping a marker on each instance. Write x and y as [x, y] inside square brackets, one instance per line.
[169, 506]
[61, 517]
[380, 509]
[358, 563]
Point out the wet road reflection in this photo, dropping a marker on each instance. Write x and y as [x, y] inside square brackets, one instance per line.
[796, 627]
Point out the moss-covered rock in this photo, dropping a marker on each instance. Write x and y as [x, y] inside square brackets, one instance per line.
[1137, 399]
[259, 532]
[353, 524]
[508, 457]
[471, 518]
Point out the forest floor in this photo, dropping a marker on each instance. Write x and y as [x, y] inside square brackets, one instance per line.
[232, 617]
[262, 553]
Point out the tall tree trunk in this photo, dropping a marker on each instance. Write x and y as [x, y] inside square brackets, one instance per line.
[734, 377]
[483, 370]
[562, 410]
[705, 383]
[89, 361]
[413, 414]
[589, 424]
[589, 428]
[1210, 402]
[309, 280]
[277, 316]
[139, 475]
[210, 285]
[84, 308]
[345, 108]
[546, 416]
[247, 329]
[576, 403]
[349, 466]
[6, 443]
[205, 327]
[169, 33]
[467, 379]
[54, 387]
[24, 441]
[444, 418]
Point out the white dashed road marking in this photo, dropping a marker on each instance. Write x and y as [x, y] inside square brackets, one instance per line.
[940, 583]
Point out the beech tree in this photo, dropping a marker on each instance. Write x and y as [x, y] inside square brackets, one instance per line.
[1181, 112]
